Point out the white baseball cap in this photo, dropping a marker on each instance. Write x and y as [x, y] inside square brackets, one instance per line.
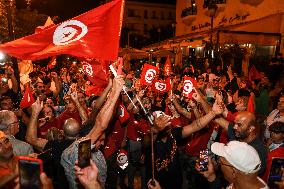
[239, 154]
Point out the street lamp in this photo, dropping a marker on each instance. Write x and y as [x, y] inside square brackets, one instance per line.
[212, 12]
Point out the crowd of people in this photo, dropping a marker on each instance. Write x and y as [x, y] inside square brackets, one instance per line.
[239, 120]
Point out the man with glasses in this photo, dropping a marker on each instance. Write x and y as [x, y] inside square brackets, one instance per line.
[239, 163]
[9, 124]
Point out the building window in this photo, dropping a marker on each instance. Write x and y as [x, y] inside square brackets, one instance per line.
[189, 10]
[131, 13]
[145, 30]
[170, 16]
[154, 15]
[145, 14]
[162, 16]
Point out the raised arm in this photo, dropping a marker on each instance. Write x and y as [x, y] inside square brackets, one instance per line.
[202, 122]
[31, 136]
[139, 95]
[194, 109]
[207, 108]
[57, 83]
[82, 112]
[106, 112]
[200, 98]
[180, 109]
[100, 101]
[10, 74]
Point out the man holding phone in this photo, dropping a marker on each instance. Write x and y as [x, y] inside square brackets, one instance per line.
[96, 135]
[239, 163]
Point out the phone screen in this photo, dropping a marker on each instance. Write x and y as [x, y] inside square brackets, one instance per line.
[84, 153]
[29, 174]
[275, 171]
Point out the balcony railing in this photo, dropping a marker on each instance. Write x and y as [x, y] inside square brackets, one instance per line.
[208, 3]
[189, 11]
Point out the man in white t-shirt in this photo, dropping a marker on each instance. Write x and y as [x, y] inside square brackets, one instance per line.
[239, 163]
[209, 76]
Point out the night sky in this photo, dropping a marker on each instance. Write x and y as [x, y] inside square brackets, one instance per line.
[67, 9]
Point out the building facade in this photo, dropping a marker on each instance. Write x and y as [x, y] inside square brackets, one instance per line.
[140, 17]
[239, 21]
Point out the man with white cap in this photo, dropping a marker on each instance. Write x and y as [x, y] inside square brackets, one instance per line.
[239, 163]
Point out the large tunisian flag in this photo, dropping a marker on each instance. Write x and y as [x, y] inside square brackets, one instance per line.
[94, 34]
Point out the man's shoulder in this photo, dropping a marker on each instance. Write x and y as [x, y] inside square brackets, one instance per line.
[20, 147]
[18, 142]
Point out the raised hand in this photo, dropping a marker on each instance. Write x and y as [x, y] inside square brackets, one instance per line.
[162, 122]
[74, 96]
[153, 184]
[196, 96]
[217, 108]
[192, 104]
[37, 106]
[210, 173]
[118, 83]
[9, 71]
[88, 176]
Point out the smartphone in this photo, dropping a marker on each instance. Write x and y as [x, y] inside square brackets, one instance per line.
[29, 171]
[275, 171]
[203, 160]
[84, 153]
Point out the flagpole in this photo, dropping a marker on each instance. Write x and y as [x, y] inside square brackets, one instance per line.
[150, 119]
[121, 16]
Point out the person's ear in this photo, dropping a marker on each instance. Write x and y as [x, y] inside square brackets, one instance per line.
[252, 128]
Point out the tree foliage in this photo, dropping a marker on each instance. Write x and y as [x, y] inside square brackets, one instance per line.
[24, 21]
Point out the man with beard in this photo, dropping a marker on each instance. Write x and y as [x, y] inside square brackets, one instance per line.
[244, 129]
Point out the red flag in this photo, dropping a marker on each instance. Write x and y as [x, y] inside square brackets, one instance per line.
[124, 115]
[168, 67]
[95, 72]
[162, 86]
[28, 98]
[250, 107]
[120, 65]
[48, 23]
[188, 84]
[148, 74]
[254, 74]
[52, 63]
[94, 34]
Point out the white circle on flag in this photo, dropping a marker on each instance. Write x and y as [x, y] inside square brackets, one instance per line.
[69, 31]
[160, 86]
[88, 69]
[122, 158]
[188, 87]
[149, 76]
